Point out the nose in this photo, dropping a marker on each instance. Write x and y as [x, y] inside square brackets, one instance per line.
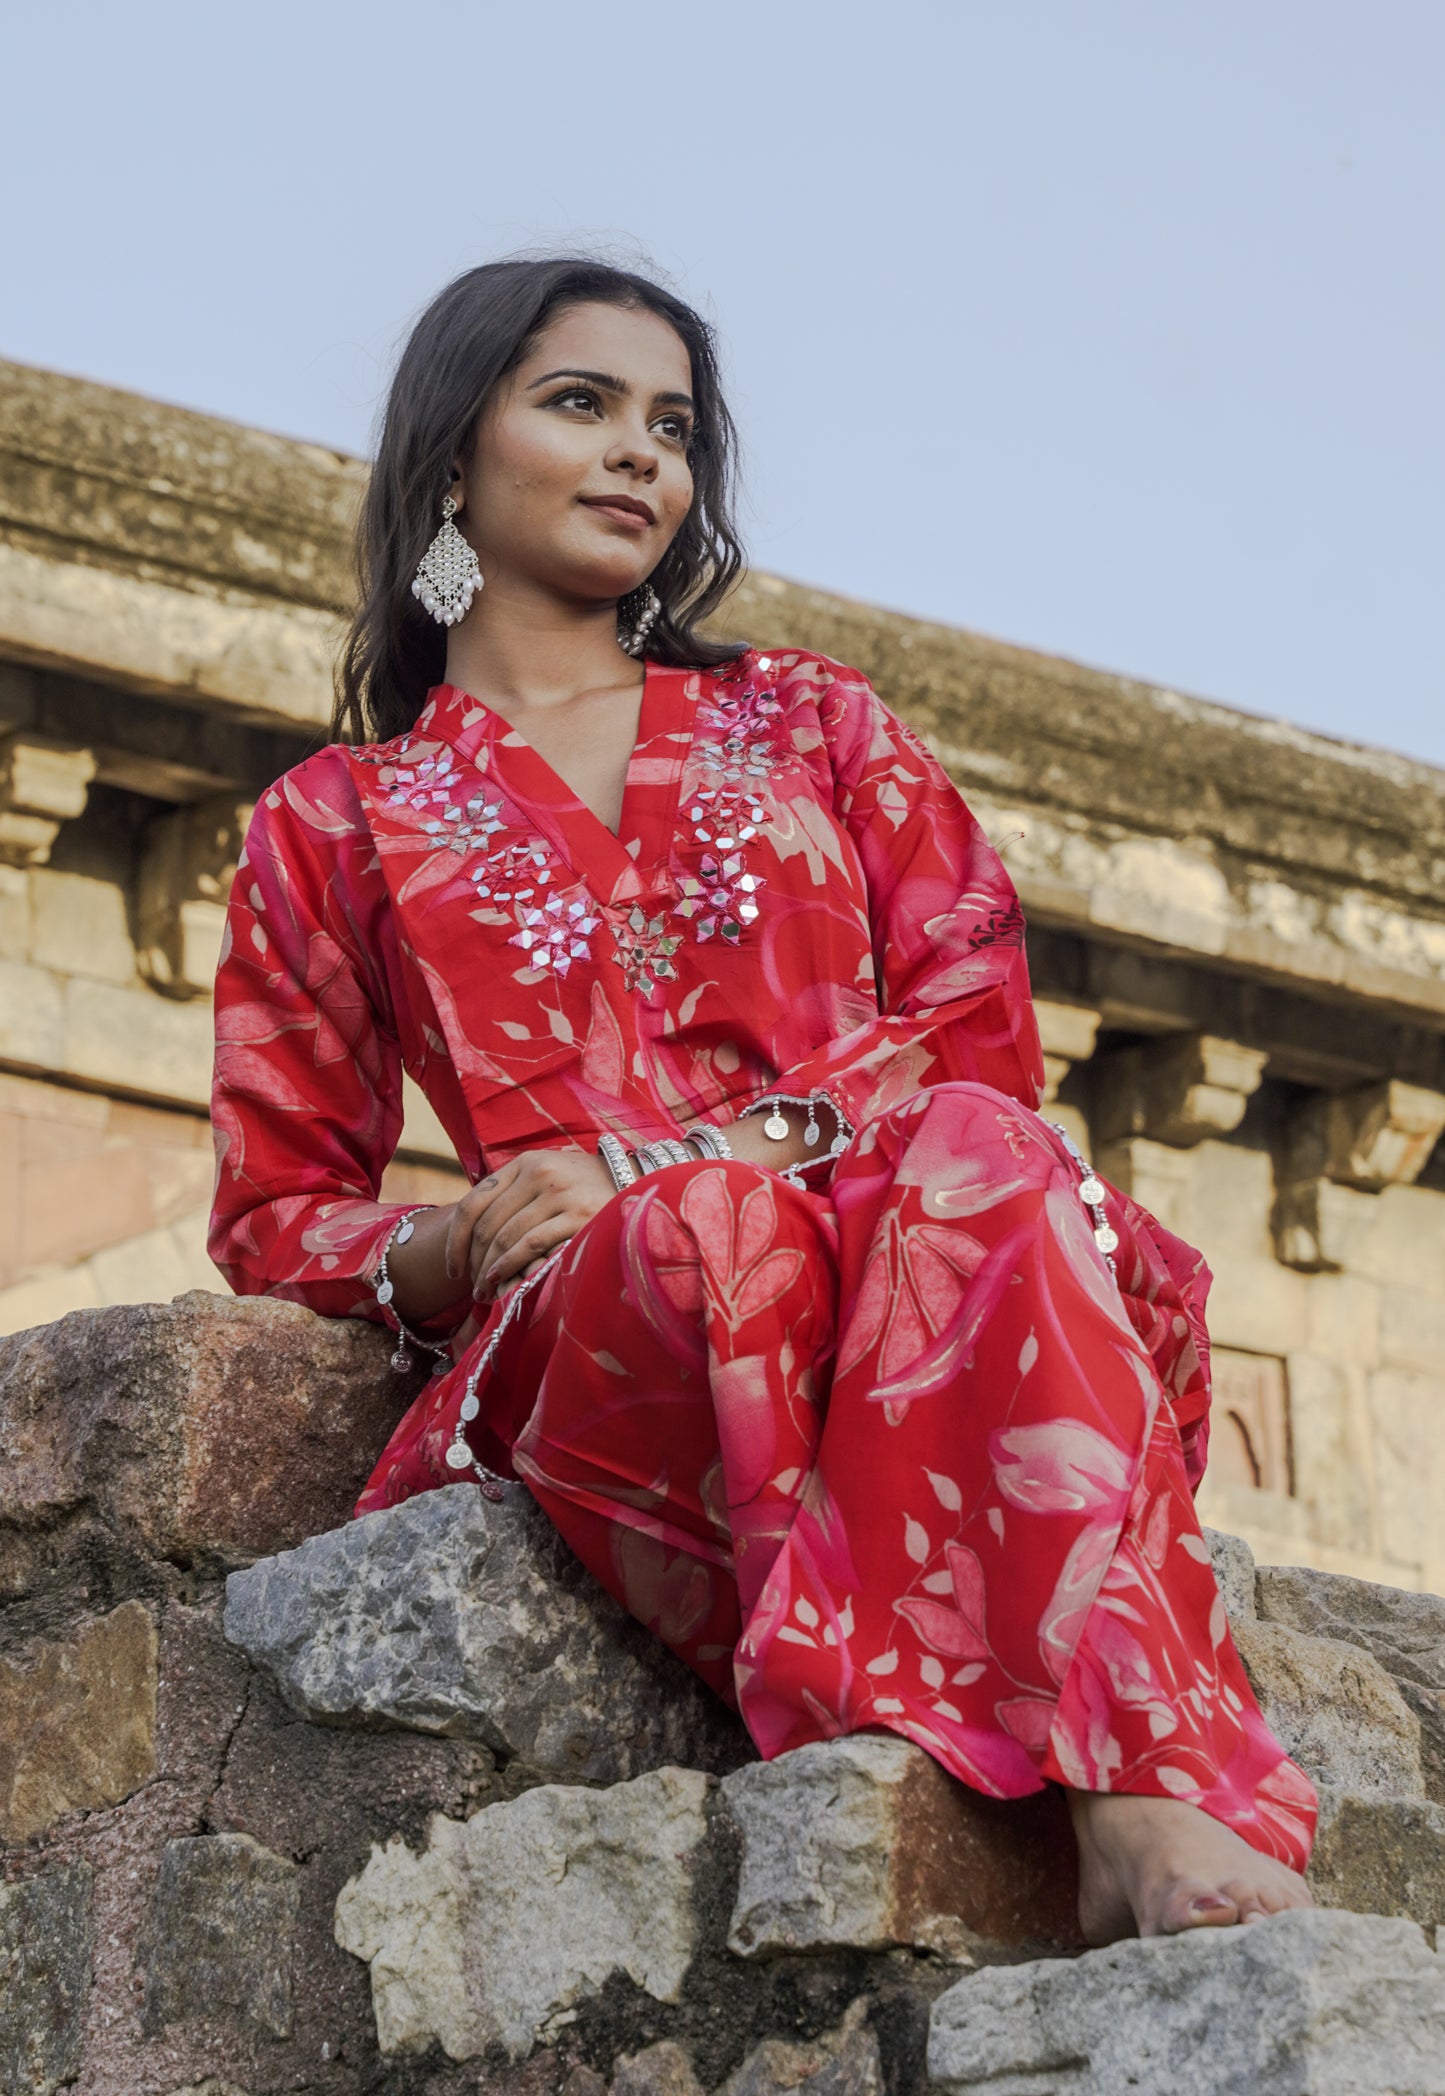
[635, 452]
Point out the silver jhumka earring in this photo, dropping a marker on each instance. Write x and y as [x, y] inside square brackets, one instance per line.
[448, 577]
[637, 614]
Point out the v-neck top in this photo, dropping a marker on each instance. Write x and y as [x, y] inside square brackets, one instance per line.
[796, 903]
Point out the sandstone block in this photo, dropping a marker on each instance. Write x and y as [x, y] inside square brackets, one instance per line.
[509, 1918]
[1335, 1710]
[865, 1843]
[207, 1425]
[45, 1965]
[1234, 1568]
[1329, 2004]
[77, 1722]
[1381, 1856]
[222, 1935]
[455, 1615]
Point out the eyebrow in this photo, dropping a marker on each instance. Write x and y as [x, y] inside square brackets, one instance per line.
[609, 384]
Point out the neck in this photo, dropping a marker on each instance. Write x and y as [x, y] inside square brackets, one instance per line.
[519, 647]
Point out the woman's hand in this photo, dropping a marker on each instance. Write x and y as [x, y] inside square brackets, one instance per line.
[514, 1217]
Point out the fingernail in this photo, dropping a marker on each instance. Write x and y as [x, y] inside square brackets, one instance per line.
[1208, 1903]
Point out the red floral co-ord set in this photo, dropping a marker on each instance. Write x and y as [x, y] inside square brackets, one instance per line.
[910, 1445]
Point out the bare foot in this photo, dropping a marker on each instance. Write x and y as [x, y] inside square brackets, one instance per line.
[1154, 1866]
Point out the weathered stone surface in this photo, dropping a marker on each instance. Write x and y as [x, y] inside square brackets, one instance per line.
[1404, 1632]
[1305, 2004]
[842, 2062]
[662, 2070]
[1234, 1568]
[77, 1722]
[45, 1951]
[222, 1934]
[205, 1425]
[211, 2087]
[1381, 1856]
[1335, 1710]
[864, 1843]
[507, 1919]
[456, 1615]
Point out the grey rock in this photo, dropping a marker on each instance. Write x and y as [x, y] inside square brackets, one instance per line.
[509, 1918]
[1405, 1632]
[1381, 1856]
[453, 1615]
[1234, 1568]
[1335, 1710]
[1305, 2004]
[221, 1938]
[45, 1966]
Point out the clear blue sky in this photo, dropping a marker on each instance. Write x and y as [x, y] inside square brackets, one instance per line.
[1115, 329]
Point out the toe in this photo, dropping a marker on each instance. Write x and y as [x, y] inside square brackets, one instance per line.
[1192, 1904]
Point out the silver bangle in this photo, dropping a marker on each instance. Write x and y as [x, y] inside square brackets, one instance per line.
[617, 1161]
[710, 1140]
[386, 1288]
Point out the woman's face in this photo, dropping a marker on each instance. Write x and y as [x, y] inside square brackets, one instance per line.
[578, 479]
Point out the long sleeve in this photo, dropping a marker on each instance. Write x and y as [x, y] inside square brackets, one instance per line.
[306, 1104]
[952, 983]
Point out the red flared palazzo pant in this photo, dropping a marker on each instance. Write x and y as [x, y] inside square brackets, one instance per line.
[896, 1456]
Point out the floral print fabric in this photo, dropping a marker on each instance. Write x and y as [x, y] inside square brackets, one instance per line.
[894, 1449]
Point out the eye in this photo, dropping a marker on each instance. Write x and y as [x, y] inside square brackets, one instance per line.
[676, 429]
[575, 396]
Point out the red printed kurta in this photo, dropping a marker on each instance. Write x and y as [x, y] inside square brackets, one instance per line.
[892, 1448]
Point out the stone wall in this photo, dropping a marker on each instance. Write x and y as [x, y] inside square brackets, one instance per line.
[1237, 932]
[407, 1807]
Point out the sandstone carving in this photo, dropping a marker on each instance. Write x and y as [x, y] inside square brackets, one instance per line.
[509, 1918]
[455, 1615]
[863, 1842]
[77, 1721]
[1332, 2004]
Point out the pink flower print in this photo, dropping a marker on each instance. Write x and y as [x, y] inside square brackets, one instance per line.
[1062, 1467]
[956, 1631]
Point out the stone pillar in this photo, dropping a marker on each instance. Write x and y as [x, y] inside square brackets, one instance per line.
[1068, 1033]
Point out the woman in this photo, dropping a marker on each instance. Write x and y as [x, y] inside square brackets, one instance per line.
[823, 1351]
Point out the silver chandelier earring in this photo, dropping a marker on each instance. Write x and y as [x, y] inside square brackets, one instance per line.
[637, 614]
[448, 577]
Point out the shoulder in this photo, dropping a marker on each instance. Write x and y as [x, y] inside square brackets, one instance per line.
[319, 804]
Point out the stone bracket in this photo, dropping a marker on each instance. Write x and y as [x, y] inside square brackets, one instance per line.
[1368, 1138]
[43, 783]
[187, 864]
[1178, 1090]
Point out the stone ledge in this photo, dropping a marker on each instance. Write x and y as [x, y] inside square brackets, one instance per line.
[209, 1426]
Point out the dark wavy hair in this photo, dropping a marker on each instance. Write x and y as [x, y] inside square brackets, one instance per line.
[466, 342]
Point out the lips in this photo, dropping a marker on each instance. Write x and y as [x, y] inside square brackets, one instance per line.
[620, 505]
